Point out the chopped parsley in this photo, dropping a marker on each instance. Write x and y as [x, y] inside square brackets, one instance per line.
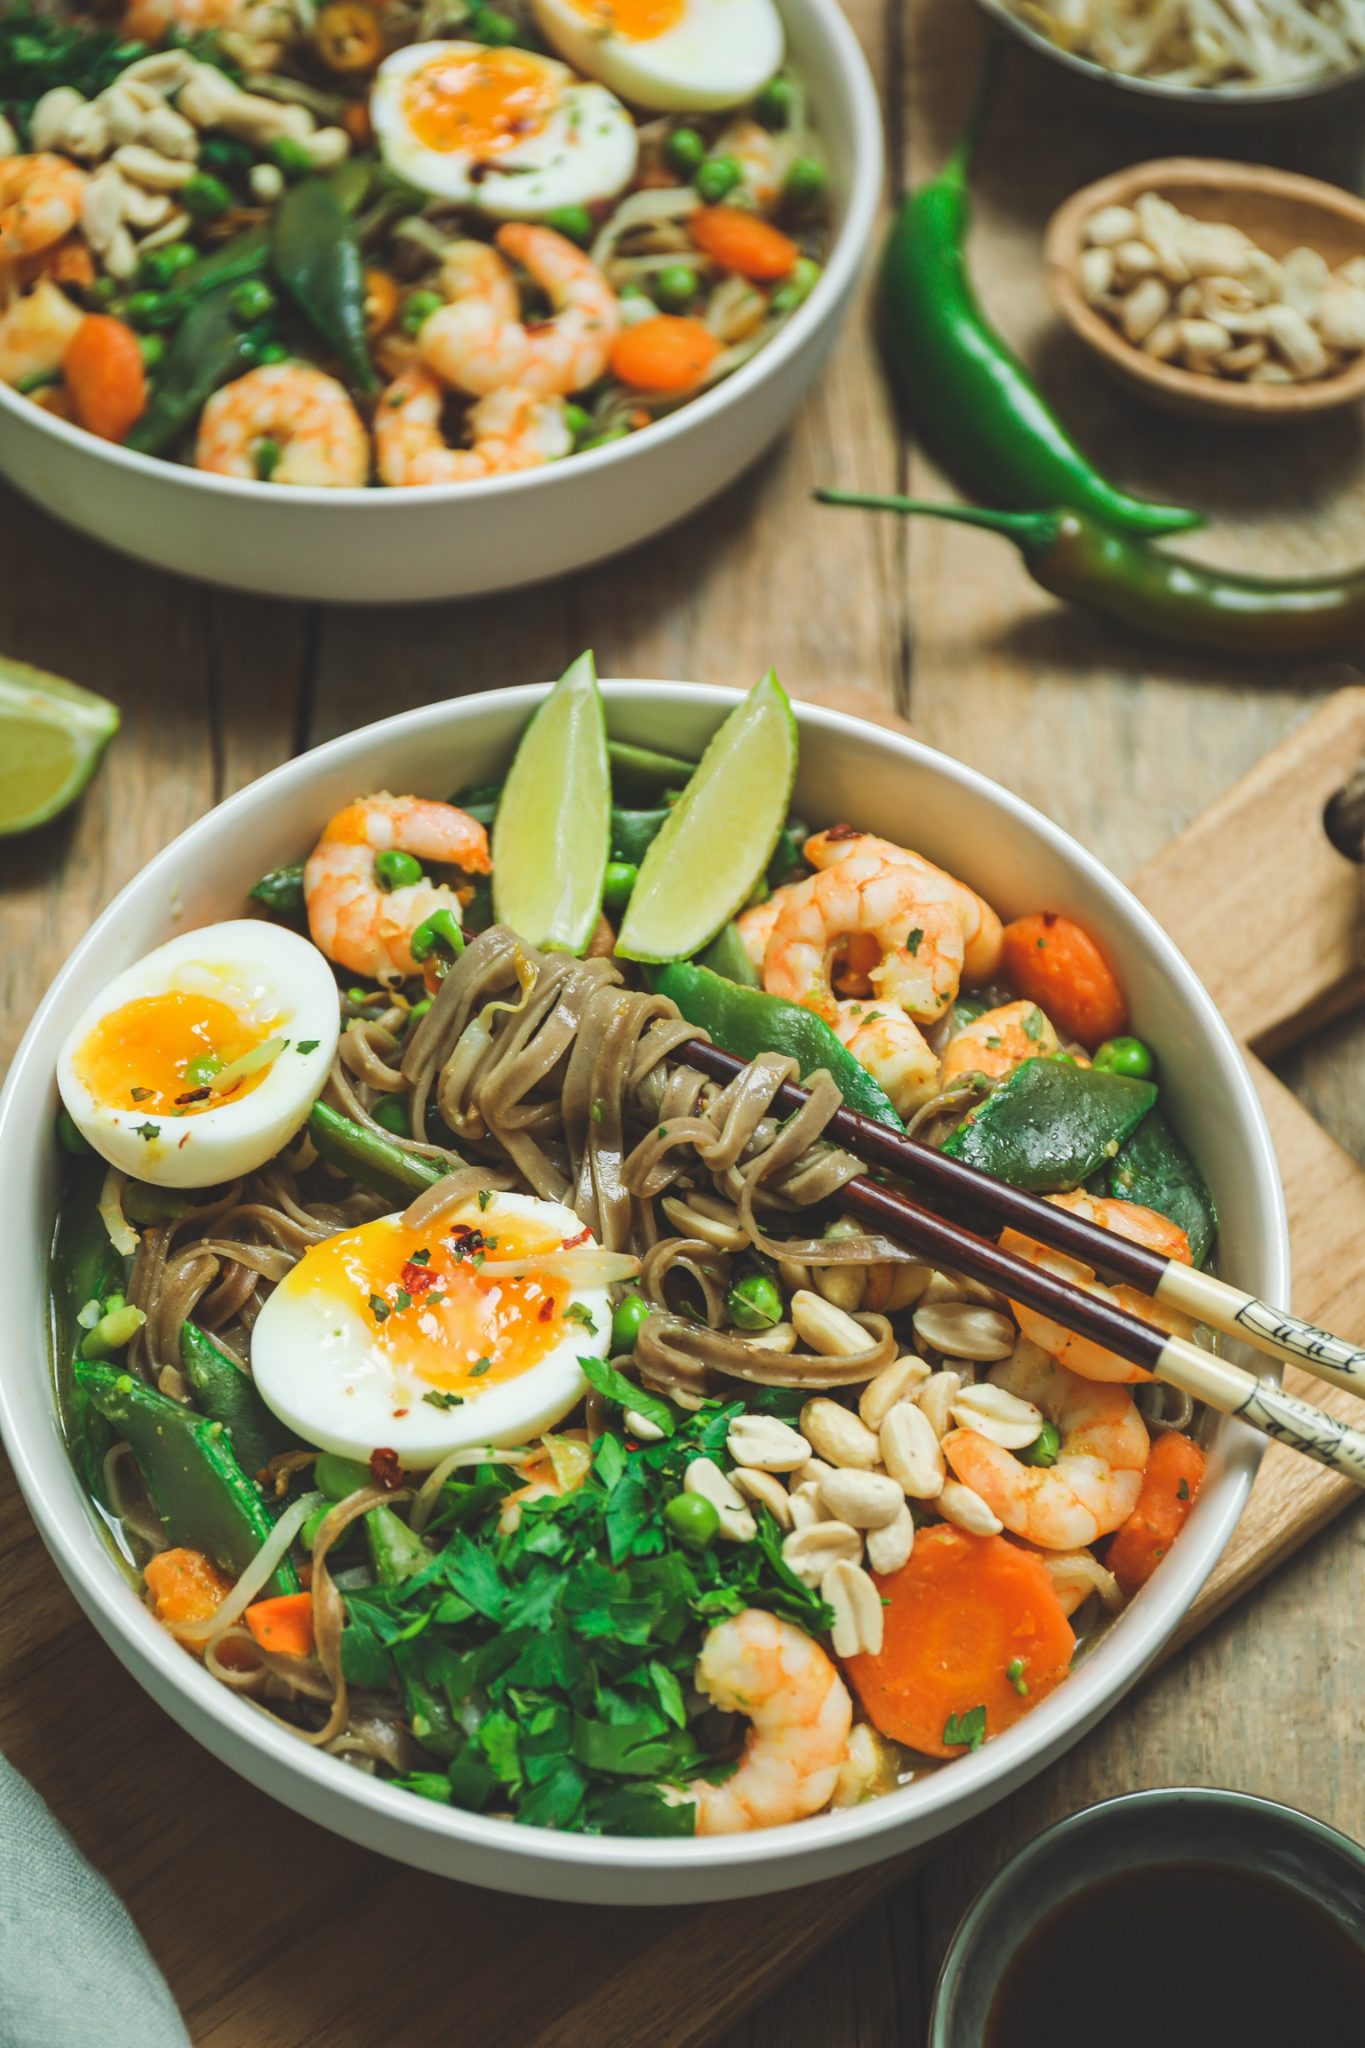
[379, 1308]
[141, 1094]
[401, 1300]
[308, 1045]
[438, 1399]
[579, 1312]
[148, 1132]
[485, 1197]
[913, 941]
[965, 1731]
[421, 1257]
[477, 1371]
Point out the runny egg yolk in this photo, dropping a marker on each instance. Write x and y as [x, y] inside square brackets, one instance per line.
[426, 1304]
[479, 105]
[139, 1056]
[635, 21]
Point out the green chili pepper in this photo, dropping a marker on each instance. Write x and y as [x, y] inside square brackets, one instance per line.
[1001, 438]
[207, 349]
[282, 891]
[1149, 591]
[1048, 1127]
[728, 955]
[317, 259]
[368, 1158]
[395, 1552]
[228, 1395]
[197, 1486]
[746, 1021]
[1153, 1169]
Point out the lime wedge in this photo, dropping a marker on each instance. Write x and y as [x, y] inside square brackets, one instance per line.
[553, 824]
[52, 734]
[718, 838]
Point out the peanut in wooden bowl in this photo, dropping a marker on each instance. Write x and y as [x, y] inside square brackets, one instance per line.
[1278, 209]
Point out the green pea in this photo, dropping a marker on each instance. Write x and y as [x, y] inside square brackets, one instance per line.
[391, 1112]
[806, 183]
[112, 1332]
[754, 1303]
[438, 933]
[1126, 1056]
[715, 178]
[418, 308]
[578, 420]
[290, 157]
[684, 151]
[490, 25]
[676, 286]
[151, 348]
[628, 1319]
[619, 883]
[267, 453]
[573, 222]
[631, 290]
[419, 1010]
[101, 293]
[273, 352]
[693, 1520]
[201, 1070]
[805, 275]
[251, 300]
[225, 153]
[336, 1477]
[1044, 1449]
[205, 196]
[395, 870]
[70, 1136]
[161, 266]
[1063, 1059]
[151, 309]
[774, 103]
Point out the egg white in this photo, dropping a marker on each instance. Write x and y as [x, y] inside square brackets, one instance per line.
[257, 969]
[585, 151]
[717, 56]
[316, 1365]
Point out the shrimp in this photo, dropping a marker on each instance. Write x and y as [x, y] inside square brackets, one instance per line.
[1093, 1486]
[149, 21]
[511, 429]
[1144, 1226]
[40, 202]
[800, 1715]
[982, 936]
[351, 919]
[755, 925]
[300, 413]
[893, 1050]
[919, 940]
[479, 344]
[36, 332]
[997, 1042]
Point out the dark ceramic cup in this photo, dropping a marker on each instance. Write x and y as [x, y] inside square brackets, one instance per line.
[1169, 1825]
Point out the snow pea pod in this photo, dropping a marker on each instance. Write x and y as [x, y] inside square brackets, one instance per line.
[282, 891]
[201, 1493]
[316, 257]
[209, 348]
[395, 1552]
[1050, 1125]
[370, 1159]
[728, 955]
[85, 1267]
[747, 1021]
[246, 255]
[228, 1395]
[1153, 1168]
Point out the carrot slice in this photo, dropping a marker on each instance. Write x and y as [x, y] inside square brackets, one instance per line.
[972, 1622]
[1174, 1473]
[667, 353]
[103, 372]
[185, 1586]
[284, 1624]
[742, 242]
[1053, 962]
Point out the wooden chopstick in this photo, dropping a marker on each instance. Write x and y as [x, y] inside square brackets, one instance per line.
[1203, 1296]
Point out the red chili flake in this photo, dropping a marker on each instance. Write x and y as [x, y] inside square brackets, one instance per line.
[195, 1095]
[385, 1470]
[417, 1279]
[843, 831]
[568, 1243]
[399, 1413]
[546, 1309]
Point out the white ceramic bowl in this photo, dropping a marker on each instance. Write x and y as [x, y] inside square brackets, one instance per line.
[462, 540]
[1020, 861]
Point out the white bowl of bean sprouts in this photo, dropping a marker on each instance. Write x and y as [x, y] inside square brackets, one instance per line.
[1018, 860]
[455, 539]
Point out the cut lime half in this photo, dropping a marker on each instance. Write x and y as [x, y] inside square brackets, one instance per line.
[52, 734]
[719, 837]
[553, 824]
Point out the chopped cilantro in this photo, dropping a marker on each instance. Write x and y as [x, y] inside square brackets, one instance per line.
[402, 1299]
[308, 1045]
[477, 1371]
[485, 1197]
[1182, 1491]
[440, 1399]
[141, 1094]
[379, 1308]
[579, 1312]
[421, 1257]
[913, 942]
[148, 1132]
[614, 1386]
[965, 1731]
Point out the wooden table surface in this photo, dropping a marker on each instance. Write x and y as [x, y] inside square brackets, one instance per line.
[1121, 742]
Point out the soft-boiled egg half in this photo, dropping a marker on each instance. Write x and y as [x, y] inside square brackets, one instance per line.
[507, 132]
[672, 56]
[200, 1062]
[392, 1338]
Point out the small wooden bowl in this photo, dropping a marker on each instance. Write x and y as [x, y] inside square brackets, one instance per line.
[1278, 209]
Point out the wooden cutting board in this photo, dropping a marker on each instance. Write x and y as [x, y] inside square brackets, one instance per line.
[432, 1958]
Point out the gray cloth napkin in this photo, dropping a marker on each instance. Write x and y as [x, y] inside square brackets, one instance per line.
[74, 1971]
